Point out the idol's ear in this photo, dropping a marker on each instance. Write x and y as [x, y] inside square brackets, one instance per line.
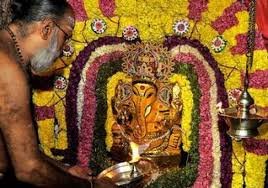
[46, 28]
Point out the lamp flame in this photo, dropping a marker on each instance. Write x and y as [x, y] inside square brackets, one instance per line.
[135, 152]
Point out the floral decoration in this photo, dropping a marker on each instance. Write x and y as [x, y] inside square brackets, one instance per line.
[98, 26]
[60, 113]
[181, 27]
[130, 33]
[218, 44]
[233, 96]
[60, 82]
[68, 50]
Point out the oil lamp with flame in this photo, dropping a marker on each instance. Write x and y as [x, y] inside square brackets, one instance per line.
[242, 123]
[124, 173]
[135, 159]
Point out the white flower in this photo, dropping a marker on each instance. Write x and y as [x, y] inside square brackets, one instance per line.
[219, 108]
[218, 44]
[130, 33]
[181, 27]
[68, 50]
[60, 83]
[98, 26]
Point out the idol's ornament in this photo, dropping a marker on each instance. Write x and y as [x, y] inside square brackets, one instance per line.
[147, 112]
[243, 119]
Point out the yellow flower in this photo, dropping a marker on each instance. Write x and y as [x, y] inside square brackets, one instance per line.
[255, 170]
[187, 100]
[111, 86]
[238, 159]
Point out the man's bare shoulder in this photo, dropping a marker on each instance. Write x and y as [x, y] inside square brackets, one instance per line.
[14, 93]
[10, 69]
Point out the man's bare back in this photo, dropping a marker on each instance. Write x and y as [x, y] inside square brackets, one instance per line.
[32, 46]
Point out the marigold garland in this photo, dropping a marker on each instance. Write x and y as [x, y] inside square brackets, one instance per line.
[187, 100]
[111, 86]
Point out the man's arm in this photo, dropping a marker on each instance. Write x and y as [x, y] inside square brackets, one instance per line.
[19, 134]
[3, 158]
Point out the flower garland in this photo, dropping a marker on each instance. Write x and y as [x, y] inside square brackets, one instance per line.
[255, 178]
[185, 177]
[107, 7]
[238, 160]
[256, 79]
[228, 18]
[205, 139]
[99, 159]
[89, 108]
[225, 167]
[241, 39]
[244, 161]
[71, 93]
[187, 101]
[80, 13]
[111, 86]
[97, 53]
[196, 8]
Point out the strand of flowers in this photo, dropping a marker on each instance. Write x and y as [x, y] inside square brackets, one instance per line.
[107, 7]
[78, 6]
[241, 46]
[61, 137]
[196, 8]
[45, 117]
[187, 101]
[97, 53]
[255, 178]
[238, 160]
[185, 177]
[111, 86]
[225, 141]
[99, 159]
[89, 108]
[258, 79]
[214, 120]
[214, 115]
[71, 93]
[228, 18]
[256, 146]
[205, 168]
[44, 112]
[247, 161]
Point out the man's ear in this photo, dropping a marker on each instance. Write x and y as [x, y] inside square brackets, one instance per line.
[46, 28]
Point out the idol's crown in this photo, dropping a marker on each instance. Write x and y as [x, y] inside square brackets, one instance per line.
[148, 61]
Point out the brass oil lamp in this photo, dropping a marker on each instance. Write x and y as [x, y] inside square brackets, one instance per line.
[124, 173]
[242, 123]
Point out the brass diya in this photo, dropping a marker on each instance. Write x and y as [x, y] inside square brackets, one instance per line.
[242, 127]
[122, 174]
[242, 123]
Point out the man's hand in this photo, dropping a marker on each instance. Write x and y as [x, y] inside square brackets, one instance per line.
[80, 172]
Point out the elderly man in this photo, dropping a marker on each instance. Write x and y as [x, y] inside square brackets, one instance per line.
[31, 43]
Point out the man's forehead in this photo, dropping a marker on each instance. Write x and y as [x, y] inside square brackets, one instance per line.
[68, 20]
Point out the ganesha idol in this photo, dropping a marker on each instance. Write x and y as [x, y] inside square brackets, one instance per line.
[147, 110]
